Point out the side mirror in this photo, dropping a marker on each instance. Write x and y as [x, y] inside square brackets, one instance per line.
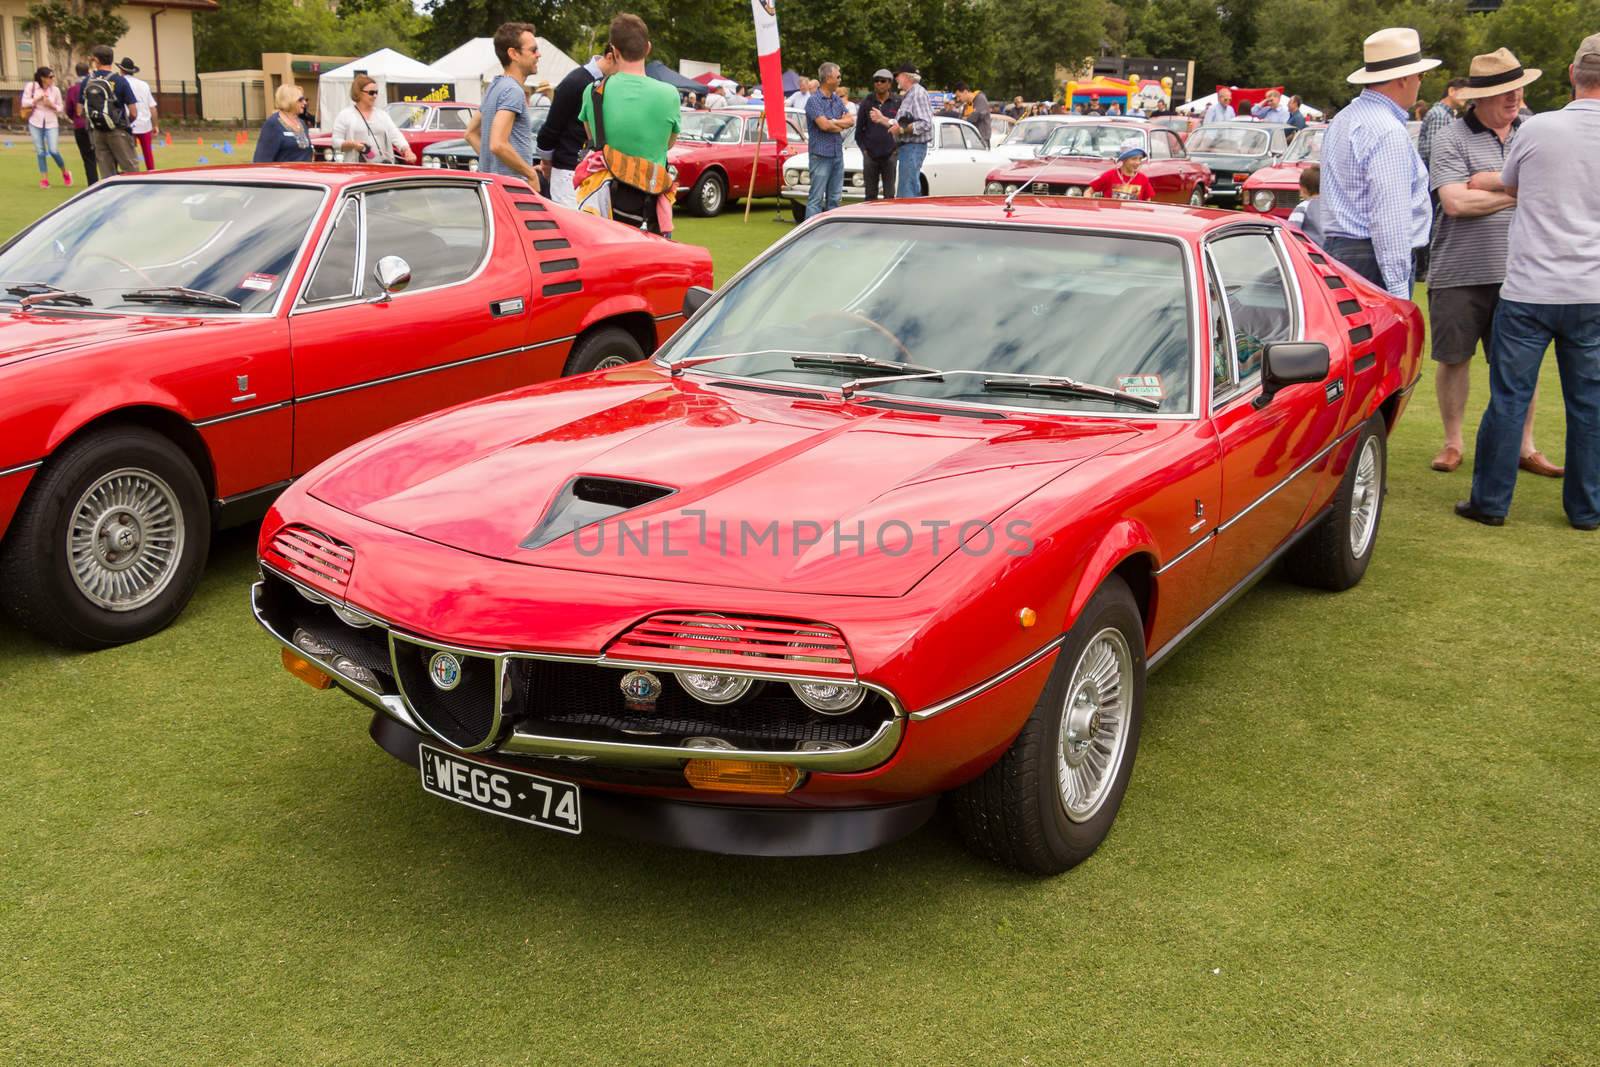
[694, 298]
[1290, 363]
[392, 274]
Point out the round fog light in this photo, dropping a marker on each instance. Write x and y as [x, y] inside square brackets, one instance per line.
[714, 688]
[822, 746]
[993, 188]
[829, 698]
[305, 642]
[714, 744]
[354, 671]
[1074, 190]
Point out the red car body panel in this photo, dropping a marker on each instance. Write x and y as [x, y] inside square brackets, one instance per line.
[323, 378]
[734, 161]
[1174, 179]
[453, 494]
[1284, 180]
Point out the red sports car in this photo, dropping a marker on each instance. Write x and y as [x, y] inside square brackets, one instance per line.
[423, 123]
[840, 548]
[1275, 190]
[1079, 152]
[715, 151]
[176, 347]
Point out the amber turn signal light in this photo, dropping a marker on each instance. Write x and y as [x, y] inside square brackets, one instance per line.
[303, 670]
[741, 776]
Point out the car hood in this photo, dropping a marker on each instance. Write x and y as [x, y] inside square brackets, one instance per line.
[1055, 169]
[851, 156]
[1279, 175]
[767, 491]
[44, 331]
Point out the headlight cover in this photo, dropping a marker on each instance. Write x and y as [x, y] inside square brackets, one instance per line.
[993, 188]
[1262, 200]
[1074, 190]
[791, 176]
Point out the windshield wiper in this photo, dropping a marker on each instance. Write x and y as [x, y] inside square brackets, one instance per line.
[1059, 385]
[853, 361]
[180, 294]
[52, 295]
[32, 288]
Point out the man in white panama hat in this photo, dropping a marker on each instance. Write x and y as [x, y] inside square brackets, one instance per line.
[1376, 188]
[1468, 255]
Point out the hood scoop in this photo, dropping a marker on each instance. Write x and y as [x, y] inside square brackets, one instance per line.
[586, 500]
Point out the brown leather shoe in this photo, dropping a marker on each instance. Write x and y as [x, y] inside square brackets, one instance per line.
[1448, 459]
[1536, 463]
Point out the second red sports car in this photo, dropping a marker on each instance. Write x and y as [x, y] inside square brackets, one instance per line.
[1079, 152]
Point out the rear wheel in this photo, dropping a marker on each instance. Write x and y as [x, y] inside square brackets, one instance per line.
[110, 541]
[797, 210]
[1198, 197]
[1335, 555]
[708, 195]
[609, 347]
[1050, 800]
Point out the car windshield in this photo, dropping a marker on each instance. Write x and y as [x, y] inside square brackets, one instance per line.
[1228, 141]
[409, 116]
[234, 241]
[1085, 139]
[1305, 148]
[713, 128]
[1032, 132]
[1105, 309]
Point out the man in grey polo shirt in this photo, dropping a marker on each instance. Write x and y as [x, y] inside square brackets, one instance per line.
[1468, 254]
[1549, 294]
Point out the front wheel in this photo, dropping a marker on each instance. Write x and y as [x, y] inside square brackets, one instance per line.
[1335, 555]
[1198, 197]
[606, 348]
[109, 543]
[797, 210]
[1050, 800]
[708, 195]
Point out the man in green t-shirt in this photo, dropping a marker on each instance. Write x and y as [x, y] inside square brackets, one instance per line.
[641, 114]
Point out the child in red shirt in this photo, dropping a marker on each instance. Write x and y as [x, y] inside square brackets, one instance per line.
[1124, 181]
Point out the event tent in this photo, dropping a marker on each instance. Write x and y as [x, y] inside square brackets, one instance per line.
[473, 65]
[1198, 106]
[390, 68]
[663, 73]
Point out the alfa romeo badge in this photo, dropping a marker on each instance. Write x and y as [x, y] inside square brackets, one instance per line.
[641, 690]
[445, 670]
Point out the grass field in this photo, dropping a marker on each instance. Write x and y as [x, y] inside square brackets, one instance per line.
[1363, 828]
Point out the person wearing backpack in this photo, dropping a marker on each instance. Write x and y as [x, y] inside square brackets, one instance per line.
[110, 107]
[632, 119]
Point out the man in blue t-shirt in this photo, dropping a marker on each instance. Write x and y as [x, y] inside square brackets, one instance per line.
[503, 137]
[826, 121]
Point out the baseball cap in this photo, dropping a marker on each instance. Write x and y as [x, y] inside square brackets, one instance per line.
[908, 68]
[1588, 55]
[882, 72]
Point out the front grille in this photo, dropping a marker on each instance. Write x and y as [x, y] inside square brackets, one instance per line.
[311, 554]
[1286, 198]
[289, 612]
[466, 715]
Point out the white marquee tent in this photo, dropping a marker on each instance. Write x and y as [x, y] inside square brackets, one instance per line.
[473, 66]
[388, 67]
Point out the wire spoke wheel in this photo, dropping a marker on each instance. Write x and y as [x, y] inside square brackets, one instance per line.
[125, 539]
[1364, 494]
[612, 361]
[1094, 724]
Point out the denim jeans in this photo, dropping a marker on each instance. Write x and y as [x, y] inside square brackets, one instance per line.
[1522, 332]
[47, 146]
[827, 183]
[908, 177]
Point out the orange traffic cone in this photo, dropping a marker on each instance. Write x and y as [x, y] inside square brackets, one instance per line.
[167, 140]
[201, 141]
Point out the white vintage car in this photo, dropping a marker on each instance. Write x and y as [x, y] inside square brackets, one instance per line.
[957, 164]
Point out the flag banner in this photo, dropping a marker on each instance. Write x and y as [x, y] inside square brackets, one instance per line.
[770, 63]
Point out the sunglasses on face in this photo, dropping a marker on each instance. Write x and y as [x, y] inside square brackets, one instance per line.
[369, 92]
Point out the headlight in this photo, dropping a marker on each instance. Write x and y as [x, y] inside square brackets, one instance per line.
[829, 698]
[1074, 190]
[791, 176]
[993, 188]
[714, 688]
[472, 164]
[432, 162]
[1261, 200]
[1010, 189]
[856, 181]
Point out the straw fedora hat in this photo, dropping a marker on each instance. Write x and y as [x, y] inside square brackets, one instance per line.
[1390, 54]
[1496, 73]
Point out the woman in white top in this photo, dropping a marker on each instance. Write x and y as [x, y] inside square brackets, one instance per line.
[44, 106]
[365, 132]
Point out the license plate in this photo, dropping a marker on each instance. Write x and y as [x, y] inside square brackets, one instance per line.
[525, 797]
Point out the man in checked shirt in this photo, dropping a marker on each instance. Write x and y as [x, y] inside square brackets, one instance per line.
[1376, 188]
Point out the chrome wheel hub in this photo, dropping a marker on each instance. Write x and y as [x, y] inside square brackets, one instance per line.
[611, 361]
[1094, 724]
[1364, 495]
[125, 539]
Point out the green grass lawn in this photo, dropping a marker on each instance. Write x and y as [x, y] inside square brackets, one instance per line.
[1363, 827]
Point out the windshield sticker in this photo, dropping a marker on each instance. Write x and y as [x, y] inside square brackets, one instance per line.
[260, 282]
[1142, 385]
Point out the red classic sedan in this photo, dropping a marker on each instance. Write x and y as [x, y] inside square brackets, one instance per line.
[1275, 190]
[839, 549]
[176, 347]
[715, 152]
[1079, 152]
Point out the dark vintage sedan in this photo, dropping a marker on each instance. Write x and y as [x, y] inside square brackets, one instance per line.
[1236, 150]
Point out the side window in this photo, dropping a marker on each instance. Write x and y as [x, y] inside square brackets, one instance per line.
[973, 141]
[439, 231]
[335, 275]
[795, 132]
[1221, 335]
[452, 118]
[1159, 149]
[1251, 276]
[950, 136]
[752, 129]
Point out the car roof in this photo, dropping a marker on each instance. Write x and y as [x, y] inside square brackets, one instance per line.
[319, 175]
[1250, 124]
[1066, 212]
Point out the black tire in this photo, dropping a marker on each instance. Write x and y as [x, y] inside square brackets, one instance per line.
[709, 195]
[610, 346]
[36, 569]
[1014, 813]
[1198, 197]
[797, 211]
[1327, 556]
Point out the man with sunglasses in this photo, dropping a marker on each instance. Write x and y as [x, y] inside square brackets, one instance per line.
[503, 115]
[874, 122]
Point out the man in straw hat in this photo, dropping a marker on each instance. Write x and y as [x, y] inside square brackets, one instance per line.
[1468, 254]
[1378, 208]
[1550, 294]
